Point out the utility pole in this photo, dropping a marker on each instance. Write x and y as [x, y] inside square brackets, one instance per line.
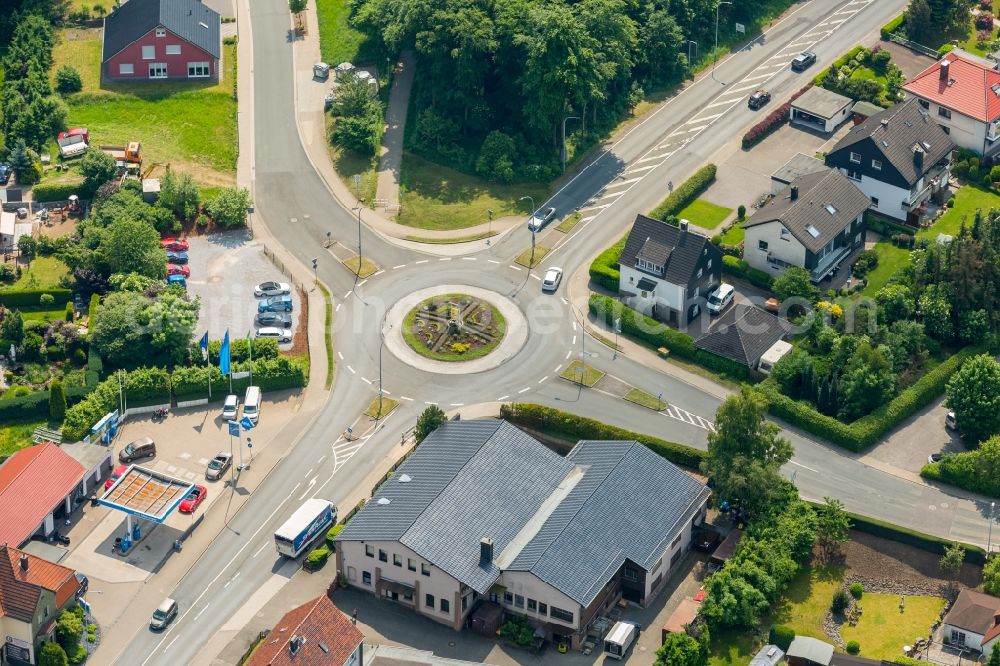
[531, 228]
[489, 229]
[715, 53]
[358, 208]
[989, 538]
[690, 61]
[564, 140]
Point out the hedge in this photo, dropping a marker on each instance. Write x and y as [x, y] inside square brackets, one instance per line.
[189, 383]
[892, 27]
[637, 325]
[147, 386]
[572, 427]
[721, 365]
[57, 191]
[80, 417]
[970, 470]
[838, 63]
[316, 559]
[688, 191]
[604, 268]
[332, 533]
[738, 268]
[773, 121]
[868, 429]
[32, 297]
[95, 366]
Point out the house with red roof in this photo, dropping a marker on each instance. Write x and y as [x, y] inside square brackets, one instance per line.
[33, 592]
[316, 633]
[961, 92]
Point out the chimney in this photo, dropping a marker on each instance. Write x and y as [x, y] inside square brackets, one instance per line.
[294, 644]
[24, 562]
[485, 550]
[945, 68]
[793, 192]
[684, 225]
[918, 158]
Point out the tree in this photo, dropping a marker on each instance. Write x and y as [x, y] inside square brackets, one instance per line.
[21, 162]
[935, 308]
[680, 649]
[52, 654]
[832, 526]
[297, 6]
[894, 301]
[974, 394]
[428, 422]
[745, 453]
[868, 382]
[27, 246]
[169, 323]
[68, 80]
[179, 193]
[131, 246]
[97, 167]
[951, 561]
[115, 329]
[991, 576]
[795, 283]
[496, 158]
[994, 659]
[918, 20]
[11, 326]
[69, 627]
[229, 207]
[57, 401]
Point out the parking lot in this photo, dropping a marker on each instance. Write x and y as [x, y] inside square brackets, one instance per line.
[224, 269]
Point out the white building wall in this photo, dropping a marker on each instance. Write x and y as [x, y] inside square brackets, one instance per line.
[529, 586]
[972, 640]
[787, 249]
[966, 132]
[890, 198]
[667, 294]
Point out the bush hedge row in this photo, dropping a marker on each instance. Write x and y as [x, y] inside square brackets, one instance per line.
[645, 329]
[572, 427]
[604, 268]
[773, 121]
[740, 269]
[57, 191]
[32, 297]
[868, 429]
[837, 64]
[892, 27]
[688, 191]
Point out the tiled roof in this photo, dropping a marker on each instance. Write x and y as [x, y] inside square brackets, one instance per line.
[32, 483]
[190, 20]
[20, 588]
[680, 249]
[827, 203]
[743, 333]
[973, 611]
[329, 637]
[968, 89]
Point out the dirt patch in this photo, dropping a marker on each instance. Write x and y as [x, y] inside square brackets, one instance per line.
[203, 175]
[80, 34]
[300, 343]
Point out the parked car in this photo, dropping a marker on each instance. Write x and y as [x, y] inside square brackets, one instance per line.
[174, 244]
[195, 497]
[275, 304]
[83, 584]
[178, 280]
[115, 475]
[218, 466]
[74, 131]
[230, 408]
[720, 298]
[140, 448]
[174, 269]
[541, 218]
[282, 335]
[759, 99]
[271, 289]
[163, 615]
[803, 61]
[552, 278]
[177, 257]
[5, 172]
[280, 319]
[950, 422]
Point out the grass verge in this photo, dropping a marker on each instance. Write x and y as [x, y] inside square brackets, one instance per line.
[41, 273]
[381, 407]
[640, 397]
[366, 269]
[704, 214]
[17, 435]
[525, 257]
[328, 333]
[571, 221]
[452, 240]
[338, 41]
[577, 369]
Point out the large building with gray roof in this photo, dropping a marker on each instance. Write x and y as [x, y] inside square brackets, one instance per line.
[483, 513]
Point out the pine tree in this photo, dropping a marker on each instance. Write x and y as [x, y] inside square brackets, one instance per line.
[57, 401]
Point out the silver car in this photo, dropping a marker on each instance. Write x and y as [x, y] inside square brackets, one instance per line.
[218, 465]
[282, 335]
[271, 288]
[541, 218]
[552, 278]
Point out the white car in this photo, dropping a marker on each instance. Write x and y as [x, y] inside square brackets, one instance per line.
[280, 334]
[230, 408]
[541, 218]
[552, 278]
[271, 289]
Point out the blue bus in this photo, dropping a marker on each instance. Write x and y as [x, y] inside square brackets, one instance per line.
[311, 519]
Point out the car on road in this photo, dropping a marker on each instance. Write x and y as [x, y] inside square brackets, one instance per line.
[174, 269]
[177, 257]
[115, 475]
[218, 466]
[282, 319]
[5, 172]
[195, 497]
[140, 448]
[271, 289]
[758, 99]
[541, 218]
[282, 335]
[950, 421]
[552, 278]
[174, 244]
[230, 408]
[803, 61]
[83, 584]
[275, 304]
[164, 614]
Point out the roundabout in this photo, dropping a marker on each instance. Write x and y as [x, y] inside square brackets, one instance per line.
[454, 329]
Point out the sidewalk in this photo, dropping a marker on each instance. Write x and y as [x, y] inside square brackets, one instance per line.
[391, 154]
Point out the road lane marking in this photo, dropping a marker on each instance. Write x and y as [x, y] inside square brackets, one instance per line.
[210, 603]
[396, 268]
[637, 170]
[574, 340]
[444, 259]
[803, 466]
[524, 390]
[558, 368]
[386, 391]
[292, 491]
[502, 398]
[337, 309]
[568, 354]
[403, 397]
[516, 268]
[536, 277]
[430, 403]
[493, 261]
[171, 642]
[458, 404]
[650, 159]
[262, 547]
[340, 356]
[348, 294]
[362, 283]
[366, 381]
[312, 482]
[321, 459]
[468, 258]
[563, 299]
[422, 261]
[543, 379]
[353, 371]
[378, 273]
[308, 473]
[574, 327]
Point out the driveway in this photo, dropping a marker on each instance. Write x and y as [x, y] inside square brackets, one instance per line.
[919, 436]
[911, 62]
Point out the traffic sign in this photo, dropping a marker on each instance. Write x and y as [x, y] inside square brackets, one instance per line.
[246, 423]
[741, 28]
[234, 429]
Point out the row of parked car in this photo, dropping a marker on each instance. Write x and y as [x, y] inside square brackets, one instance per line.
[274, 317]
[178, 271]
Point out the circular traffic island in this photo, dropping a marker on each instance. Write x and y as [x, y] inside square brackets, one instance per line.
[454, 327]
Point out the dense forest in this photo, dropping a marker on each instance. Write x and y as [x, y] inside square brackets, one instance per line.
[495, 78]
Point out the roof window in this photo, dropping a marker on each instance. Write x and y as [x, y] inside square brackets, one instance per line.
[813, 231]
[830, 209]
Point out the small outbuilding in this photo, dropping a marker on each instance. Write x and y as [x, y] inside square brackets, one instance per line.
[821, 109]
[800, 165]
[863, 110]
[769, 655]
[682, 616]
[806, 651]
[150, 190]
[726, 548]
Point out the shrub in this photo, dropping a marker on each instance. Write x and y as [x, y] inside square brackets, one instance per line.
[687, 192]
[641, 327]
[892, 27]
[57, 401]
[604, 269]
[517, 630]
[68, 80]
[332, 533]
[773, 121]
[740, 269]
[316, 559]
[782, 636]
[741, 212]
[857, 589]
[867, 261]
[984, 21]
[840, 601]
[853, 647]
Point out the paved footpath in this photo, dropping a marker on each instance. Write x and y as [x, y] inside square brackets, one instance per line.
[391, 154]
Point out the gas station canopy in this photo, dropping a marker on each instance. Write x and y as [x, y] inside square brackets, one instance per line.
[146, 494]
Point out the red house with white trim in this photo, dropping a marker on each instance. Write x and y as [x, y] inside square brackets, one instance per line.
[150, 40]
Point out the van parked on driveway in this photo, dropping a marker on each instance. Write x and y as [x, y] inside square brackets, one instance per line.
[251, 404]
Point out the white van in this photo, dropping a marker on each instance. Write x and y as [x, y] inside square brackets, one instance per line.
[251, 404]
[720, 298]
[620, 639]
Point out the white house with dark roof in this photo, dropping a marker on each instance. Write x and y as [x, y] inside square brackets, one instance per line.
[667, 271]
[483, 513]
[814, 224]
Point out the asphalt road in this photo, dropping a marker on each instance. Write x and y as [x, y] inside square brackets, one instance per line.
[668, 145]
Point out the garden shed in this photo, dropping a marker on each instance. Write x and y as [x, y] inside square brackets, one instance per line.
[821, 109]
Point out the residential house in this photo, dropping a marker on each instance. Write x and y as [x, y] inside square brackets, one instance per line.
[800, 165]
[744, 333]
[769, 655]
[899, 158]
[973, 621]
[316, 633]
[482, 512]
[162, 39]
[820, 109]
[667, 271]
[814, 224]
[806, 651]
[961, 93]
[33, 592]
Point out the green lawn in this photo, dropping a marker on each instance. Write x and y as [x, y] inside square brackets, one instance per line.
[807, 599]
[967, 200]
[338, 41]
[41, 273]
[590, 374]
[704, 214]
[436, 197]
[890, 260]
[734, 236]
[882, 628]
[867, 73]
[17, 435]
[640, 397]
[731, 648]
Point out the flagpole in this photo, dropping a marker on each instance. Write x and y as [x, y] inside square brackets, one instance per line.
[250, 347]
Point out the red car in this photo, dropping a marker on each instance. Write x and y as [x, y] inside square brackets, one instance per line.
[174, 244]
[115, 475]
[193, 499]
[75, 131]
[174, 269]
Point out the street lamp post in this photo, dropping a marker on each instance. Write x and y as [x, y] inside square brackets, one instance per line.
[378, 413]
[989, 537]
[531, 227]
[358, 208]
[715, 53]
[690, 42]
[564, 139]
[489, 230]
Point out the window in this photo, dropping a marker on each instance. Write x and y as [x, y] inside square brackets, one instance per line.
[429, 600]
[875, 202]
[709, 265]
[543, 609]
[198, 70]
[560, 614]
[854, 174]
[957, 637]
[659, 563]
[856, 158]
[149, 52]
[382, 557]
[369, 550]
[944, 113]
[532, 605]
[425, 569]
[785, 234]
[508, 598]
[158, 70]
[445, 606]
[677, 540]
[173, 49]
[762, 245]
[629, 574]
[410, 564]
[924, 103]
[366, 578]
[518, 601]
[465, 604]
[649, 266]
[161, 32]
[676, 556]
[699, 274]
[877, 165]
[397, 560]
[126, 68]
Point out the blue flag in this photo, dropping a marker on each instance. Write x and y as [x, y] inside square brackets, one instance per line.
[204, 346]
[224, 354]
